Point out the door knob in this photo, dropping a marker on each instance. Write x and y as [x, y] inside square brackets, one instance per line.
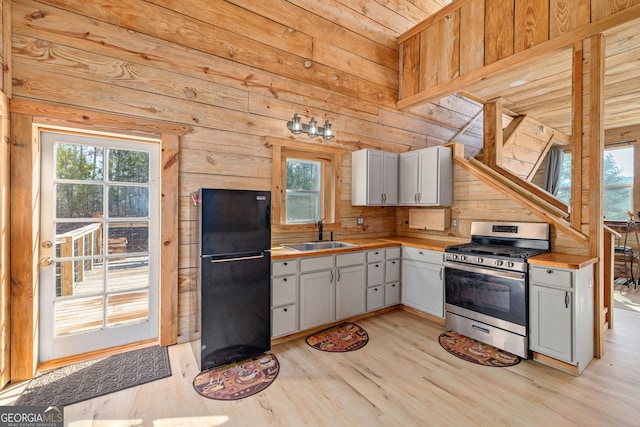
[47, 244]
[46, 261]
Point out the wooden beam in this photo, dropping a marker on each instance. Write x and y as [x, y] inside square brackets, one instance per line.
[169, 229]
[465, 127]
[595, 160]
[529, 57]
[25, 208]
[510, 132]
[540, 209]
[492, 133]
[541, 158]
[576, 159]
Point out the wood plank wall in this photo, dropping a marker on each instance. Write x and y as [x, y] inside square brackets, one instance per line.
[5, 194]
[235, 72]
[491, 30]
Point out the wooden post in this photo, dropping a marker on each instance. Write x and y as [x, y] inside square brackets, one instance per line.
[493, 135]
[593, 146]
[66, 267]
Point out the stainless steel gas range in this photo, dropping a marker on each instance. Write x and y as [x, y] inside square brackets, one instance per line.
[486, 283]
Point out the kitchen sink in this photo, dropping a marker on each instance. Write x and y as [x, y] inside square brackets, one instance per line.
[316, 246]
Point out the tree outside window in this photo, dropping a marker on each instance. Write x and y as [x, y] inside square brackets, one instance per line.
[618, 182]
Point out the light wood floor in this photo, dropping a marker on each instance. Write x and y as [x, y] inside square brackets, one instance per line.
[402, 377]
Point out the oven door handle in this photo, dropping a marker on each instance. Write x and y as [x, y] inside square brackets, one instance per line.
[487, 271]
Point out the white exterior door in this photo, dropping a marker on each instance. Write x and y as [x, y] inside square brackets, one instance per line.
[99, 243]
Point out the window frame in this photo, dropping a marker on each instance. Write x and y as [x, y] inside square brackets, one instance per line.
[632, 186]
[330, 160]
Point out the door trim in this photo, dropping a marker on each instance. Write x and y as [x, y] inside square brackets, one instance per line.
[25, 217]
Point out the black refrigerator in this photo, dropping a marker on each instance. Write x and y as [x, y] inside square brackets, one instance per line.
[235, 279]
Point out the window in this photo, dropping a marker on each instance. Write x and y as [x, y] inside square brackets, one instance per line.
[564, 181]
[305, 185]
[618, 183]
[303, 191]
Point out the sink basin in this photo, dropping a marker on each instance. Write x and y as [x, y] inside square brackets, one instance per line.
[316, 246]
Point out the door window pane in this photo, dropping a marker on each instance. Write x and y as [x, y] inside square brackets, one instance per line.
[79, 200]
[128, 202]
[128, 166]
[81, 162]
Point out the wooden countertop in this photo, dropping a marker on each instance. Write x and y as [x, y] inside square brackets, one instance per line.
[549, 259]
[562, 260]
[278, 252]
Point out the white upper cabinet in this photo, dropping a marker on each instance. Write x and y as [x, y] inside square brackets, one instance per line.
[374, 178]
[426, 177]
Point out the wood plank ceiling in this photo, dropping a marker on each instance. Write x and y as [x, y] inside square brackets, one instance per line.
[542, 92]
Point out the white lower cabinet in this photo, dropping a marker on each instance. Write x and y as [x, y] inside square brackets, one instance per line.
[561, 314]
[350, 296]
[317, 299]
[284, 297]
[383, 278]
[422, 280]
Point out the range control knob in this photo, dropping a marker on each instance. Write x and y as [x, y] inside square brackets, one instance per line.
[463, 258]
[480, 260]
[510, 264]
[499, 263]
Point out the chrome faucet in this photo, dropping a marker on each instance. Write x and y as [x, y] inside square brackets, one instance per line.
[320, 224]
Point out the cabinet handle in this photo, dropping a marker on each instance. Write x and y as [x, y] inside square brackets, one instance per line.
[338, 275]
[284, 263]
[549, 271]
[284, 309]
[440, 274]
[331, 280]
[375, 289]
[377, 266]
[393, 262]
[419, 197]
[284, 280]
[566, 299]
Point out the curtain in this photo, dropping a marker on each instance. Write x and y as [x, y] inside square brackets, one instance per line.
[552, 174]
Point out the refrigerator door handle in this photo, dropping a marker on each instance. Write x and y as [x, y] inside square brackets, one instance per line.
[213, 261]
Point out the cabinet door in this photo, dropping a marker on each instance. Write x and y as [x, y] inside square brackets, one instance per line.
[390, 178]
[375, 165]
[408, 189]
[375, 298]
[550, 314]
[317, 299]
[375, 274]
[422, 287]
[350, 292]
[428, 177]
[392, 293]
[283, 320]
[392, 271]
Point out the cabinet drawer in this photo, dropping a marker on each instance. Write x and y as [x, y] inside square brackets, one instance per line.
[375, 256]
[392, 253]
[283, 320]
[375, 298]
[392, 271]
[392, 293]
[551, 276]
[375, 274]
[283, 290]
[417, 254]
[352, 258]
[314, 264]
[283, 268]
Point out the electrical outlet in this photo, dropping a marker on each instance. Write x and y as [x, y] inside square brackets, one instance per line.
[360, 220]
[454, 222]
